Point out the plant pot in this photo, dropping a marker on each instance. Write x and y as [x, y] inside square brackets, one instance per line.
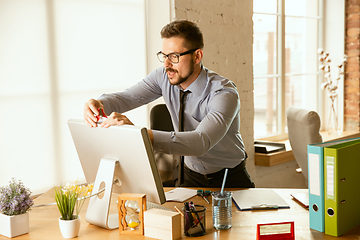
[69, 228]
[12, 226]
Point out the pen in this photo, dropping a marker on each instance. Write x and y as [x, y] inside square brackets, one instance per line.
[197, 215]
[200, 193]
[205, 199]
[196, 222]
[192, 209]
[187, 208]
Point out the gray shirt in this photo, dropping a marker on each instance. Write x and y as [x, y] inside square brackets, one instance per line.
[211, 140]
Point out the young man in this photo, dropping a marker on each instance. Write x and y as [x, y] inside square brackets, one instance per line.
[208, 137]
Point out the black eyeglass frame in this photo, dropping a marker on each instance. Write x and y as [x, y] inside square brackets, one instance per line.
[162, 56]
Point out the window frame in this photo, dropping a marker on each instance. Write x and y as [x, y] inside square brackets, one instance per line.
[280, 76]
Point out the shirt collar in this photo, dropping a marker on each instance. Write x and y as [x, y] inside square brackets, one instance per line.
[197, 87]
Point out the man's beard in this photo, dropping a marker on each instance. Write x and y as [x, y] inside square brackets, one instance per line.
[180, 79]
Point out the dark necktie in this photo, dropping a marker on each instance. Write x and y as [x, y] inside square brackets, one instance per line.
[181, 110]
[181, 128]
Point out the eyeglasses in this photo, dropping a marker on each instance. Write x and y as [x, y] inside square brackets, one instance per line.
[173, 57]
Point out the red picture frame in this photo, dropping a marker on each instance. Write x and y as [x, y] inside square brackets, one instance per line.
[275, 231]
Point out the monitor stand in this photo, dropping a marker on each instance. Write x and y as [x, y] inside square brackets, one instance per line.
[98, 210]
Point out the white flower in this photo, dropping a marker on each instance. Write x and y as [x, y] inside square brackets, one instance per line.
[324, 85]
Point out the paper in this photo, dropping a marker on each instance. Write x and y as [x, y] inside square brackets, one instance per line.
[258, 199]
[180, 194]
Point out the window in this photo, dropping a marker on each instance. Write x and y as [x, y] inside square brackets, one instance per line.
[54, 56]
[285, 61]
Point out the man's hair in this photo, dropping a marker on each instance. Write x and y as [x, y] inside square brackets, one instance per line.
[185, 29]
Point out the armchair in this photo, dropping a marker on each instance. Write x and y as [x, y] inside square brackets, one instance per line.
[303, 129]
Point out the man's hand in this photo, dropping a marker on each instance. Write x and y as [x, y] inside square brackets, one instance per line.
[116, 119]
[91, 111]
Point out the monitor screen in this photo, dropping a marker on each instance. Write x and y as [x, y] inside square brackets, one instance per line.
[130, 146]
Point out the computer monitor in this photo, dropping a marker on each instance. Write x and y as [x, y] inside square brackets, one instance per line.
[122, 159]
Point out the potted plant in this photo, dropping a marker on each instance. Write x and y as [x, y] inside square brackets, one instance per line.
[15, 202]
[70, 200]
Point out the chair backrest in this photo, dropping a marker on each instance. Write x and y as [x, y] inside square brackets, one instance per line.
[160, 119]
[303, 129]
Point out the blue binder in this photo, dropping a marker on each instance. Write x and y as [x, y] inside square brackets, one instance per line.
[316, 187]
[316, 183]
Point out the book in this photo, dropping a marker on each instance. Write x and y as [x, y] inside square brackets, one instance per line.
[268, 147]
[180, 194]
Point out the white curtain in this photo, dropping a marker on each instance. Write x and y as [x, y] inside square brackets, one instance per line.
[54, 56]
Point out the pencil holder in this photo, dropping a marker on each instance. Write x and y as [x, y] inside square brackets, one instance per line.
[194, 221]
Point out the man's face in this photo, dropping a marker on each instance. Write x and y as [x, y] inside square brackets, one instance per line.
[177, 72]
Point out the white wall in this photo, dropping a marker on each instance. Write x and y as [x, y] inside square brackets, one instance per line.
[158, 14]
[54, 56]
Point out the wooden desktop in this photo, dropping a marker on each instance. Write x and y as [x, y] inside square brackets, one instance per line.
[44, 221]
[272, 159]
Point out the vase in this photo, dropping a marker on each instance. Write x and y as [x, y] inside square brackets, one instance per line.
[333, 124]
[16, 225]
[70, 228]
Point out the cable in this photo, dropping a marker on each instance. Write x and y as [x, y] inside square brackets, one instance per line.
[92, 195]
[95, 194]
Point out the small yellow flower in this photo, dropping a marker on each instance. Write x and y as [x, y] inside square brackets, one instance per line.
[71, 197]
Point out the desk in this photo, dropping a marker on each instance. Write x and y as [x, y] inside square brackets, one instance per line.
[44, 221]
[272, 159]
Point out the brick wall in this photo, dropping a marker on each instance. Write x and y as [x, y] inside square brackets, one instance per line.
[228, 36]
[352, 74]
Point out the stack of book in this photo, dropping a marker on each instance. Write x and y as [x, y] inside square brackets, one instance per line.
[334, 186]
[268, 147]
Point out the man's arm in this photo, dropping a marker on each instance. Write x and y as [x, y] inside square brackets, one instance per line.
[140, 94]
[116, 103]
[223, 108]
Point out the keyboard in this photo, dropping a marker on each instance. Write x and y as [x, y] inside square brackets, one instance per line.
[151, 205]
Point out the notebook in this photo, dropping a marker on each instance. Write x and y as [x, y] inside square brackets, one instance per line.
[180, 194]
[258, 199]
